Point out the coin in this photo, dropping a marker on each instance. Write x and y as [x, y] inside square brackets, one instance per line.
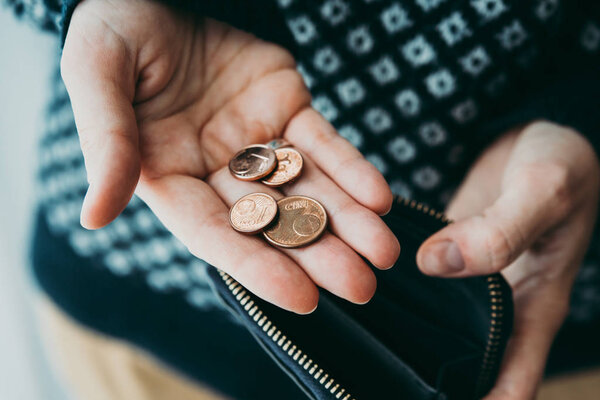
[253, 212]
[289, 167]
[278, 143]
[253, 162]
[301, 221]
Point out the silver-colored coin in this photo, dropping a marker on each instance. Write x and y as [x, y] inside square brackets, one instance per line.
[278, 143]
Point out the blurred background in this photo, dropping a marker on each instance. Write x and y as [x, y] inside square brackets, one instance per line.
[27, 58]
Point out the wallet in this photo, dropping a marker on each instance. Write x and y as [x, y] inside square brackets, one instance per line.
[419, 337]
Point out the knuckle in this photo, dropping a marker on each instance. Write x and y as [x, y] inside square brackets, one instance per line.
[557, 180]
[92, 140]
[297, 86]
[500, 248]
[261, 129]
[293, 78]
[346, 206]
[279, 56]
[346, 164]
[323, 139]
[553, 182]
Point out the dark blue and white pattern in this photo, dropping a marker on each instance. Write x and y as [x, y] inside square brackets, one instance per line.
[136, 243]
[410, 83]
[44, 14]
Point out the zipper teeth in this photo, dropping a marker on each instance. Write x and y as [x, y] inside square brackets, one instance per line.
[294, 353]
[425, 209]
[490, 356]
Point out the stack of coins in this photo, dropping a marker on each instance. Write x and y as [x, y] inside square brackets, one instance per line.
[293, 221]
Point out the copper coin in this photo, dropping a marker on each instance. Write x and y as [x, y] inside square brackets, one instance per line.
[278, 143]
[289, 167]
[253, 162]
[301, 221]
[253, 212]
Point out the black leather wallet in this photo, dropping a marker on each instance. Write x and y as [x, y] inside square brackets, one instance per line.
[419, 337]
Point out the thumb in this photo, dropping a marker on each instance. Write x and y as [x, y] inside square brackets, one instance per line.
[99, 77]
[486, 243]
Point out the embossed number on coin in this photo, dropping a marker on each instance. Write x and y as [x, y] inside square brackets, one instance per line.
[301, 221]
[289, 166]
[253, 162]
[253, 212]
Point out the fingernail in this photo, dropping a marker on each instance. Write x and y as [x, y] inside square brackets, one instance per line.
[388, 210]
[396, 249]
[309, 312]
[443, 257]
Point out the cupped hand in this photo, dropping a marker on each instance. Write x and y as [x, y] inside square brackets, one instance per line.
[163, 100]
[527, 208]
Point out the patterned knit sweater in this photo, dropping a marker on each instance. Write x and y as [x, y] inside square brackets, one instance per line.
[419, 86]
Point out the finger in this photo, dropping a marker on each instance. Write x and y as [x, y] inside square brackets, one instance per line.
[190, 209]
[343, 163]
[329, 262]
[100, 82]
[483, 184]
[359, 227]
[532, 203]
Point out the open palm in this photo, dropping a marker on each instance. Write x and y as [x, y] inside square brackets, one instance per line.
[163, 100]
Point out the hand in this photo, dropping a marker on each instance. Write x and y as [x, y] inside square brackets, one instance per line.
[527, 208]
[162, 101]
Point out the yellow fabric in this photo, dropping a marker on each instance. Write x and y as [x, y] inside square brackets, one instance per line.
[96, 367]
[580, 386]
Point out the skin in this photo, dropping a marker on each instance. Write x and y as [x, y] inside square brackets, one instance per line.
[527, 208]
[160, 111]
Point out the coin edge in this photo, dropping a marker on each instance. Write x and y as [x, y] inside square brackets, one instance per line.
[253, 232]
[254, 178]
[291, 180]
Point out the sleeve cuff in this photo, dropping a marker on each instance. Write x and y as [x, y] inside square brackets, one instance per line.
[572, 102]
[259, 17]
[68, 7]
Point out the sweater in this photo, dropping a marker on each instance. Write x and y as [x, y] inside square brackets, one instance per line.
[420, 87]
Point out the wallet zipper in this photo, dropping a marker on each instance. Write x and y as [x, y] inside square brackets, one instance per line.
[490, 357]
[491, 354]
[282, 341]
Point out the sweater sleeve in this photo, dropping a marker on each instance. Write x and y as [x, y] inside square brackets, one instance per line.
[259, 17]
[572, 101]
[43, 14]
[564, 87]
